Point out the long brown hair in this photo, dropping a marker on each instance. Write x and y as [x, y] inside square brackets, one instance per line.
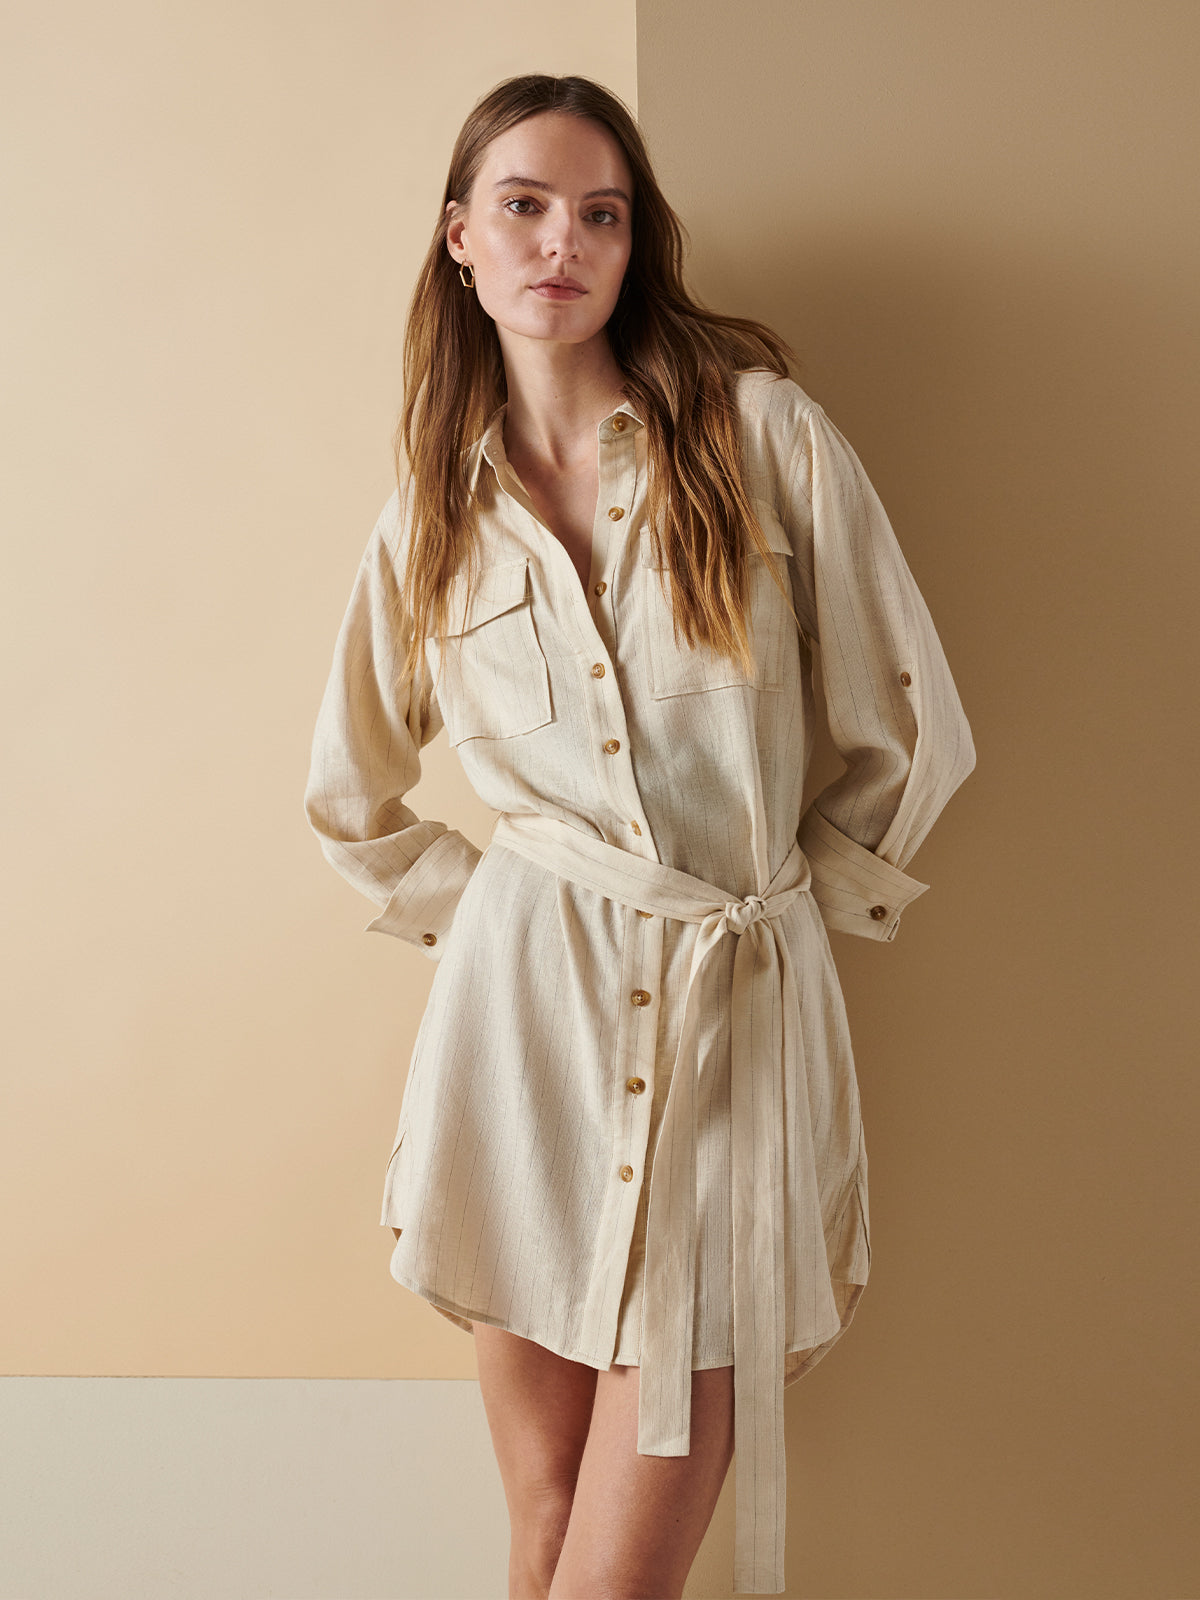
[679, 361]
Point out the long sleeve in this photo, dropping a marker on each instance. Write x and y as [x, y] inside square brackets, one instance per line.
[893, 710]
[365, 758]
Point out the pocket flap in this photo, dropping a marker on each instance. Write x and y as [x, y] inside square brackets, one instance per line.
[777, 540]
[497, 589]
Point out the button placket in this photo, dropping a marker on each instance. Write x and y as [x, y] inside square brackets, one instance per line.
[643, 1000]
[634, 1048]
[617, 459]
[612, 746]
[618, 483]
[616, 455]
[614, 771]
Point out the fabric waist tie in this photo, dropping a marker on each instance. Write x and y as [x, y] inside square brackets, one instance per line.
[765, 1048]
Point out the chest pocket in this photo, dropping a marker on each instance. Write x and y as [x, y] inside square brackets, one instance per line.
[679, 669]
[492, 679]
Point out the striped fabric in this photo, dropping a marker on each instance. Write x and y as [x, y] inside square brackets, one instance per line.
[631, 1129]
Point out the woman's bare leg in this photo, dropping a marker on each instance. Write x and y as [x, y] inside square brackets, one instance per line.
[590, 1518]
[539, 1407]
[637, 1521]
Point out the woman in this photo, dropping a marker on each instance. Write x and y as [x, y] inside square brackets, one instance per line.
[630, 1156]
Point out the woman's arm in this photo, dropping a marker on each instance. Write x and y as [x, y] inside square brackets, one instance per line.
[893, 710]
[365, 758]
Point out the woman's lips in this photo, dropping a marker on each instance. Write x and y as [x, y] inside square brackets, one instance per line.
[557, 291]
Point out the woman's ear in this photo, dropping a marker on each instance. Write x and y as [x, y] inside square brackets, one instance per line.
[454, 230]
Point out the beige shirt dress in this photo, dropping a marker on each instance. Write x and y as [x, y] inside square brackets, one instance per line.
[631, 1128]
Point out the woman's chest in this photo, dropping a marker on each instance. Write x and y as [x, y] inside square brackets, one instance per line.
[566, 503]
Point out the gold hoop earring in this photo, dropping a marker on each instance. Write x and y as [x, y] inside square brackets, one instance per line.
[467, 267]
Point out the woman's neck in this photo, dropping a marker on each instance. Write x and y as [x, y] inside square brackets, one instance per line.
[552, 413]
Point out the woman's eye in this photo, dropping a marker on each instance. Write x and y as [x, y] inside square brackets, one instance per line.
[522, 200]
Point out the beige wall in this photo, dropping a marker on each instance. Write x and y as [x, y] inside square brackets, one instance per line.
[213, 215]
[977, 225]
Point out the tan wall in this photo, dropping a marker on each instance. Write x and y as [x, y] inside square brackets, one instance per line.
[977, 224]
[213, 218]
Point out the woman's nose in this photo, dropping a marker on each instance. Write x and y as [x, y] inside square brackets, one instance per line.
[560, 236]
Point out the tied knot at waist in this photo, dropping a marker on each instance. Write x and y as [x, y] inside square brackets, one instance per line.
[765, 1048]
[740, 914]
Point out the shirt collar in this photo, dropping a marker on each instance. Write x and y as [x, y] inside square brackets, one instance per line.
[490, 444]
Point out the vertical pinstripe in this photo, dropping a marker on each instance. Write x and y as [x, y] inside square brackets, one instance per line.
[633, 777]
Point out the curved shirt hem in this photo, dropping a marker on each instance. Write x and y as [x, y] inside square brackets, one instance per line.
[813, 1345]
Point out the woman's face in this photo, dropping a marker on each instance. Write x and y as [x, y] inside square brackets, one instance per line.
[553, 200]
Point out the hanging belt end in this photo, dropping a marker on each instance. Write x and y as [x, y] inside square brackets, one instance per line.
[664, 1420]
[653, 1440]
[758, 1580]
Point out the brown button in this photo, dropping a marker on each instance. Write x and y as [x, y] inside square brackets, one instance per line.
[906, 678]
[645, 914]
[598, 670]
[616, 512]
[611, 746]
[627, 1174]
[635, 1085]
[640, 997]
[618, 424]
[429, 938]
[636, 829]
[600, 588]
[879, 912]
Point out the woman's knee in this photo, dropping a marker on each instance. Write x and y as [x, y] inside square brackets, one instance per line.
[538, 1406]
[538, 1515]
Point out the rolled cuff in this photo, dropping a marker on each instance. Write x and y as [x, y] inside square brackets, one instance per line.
[856, 891]
[421, 909]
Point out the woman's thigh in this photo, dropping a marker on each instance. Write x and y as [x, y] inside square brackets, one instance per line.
[539, 1409]
[637, 1521]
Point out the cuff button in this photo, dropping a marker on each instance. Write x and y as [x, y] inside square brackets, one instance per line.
[431, 938]
[879, 912]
